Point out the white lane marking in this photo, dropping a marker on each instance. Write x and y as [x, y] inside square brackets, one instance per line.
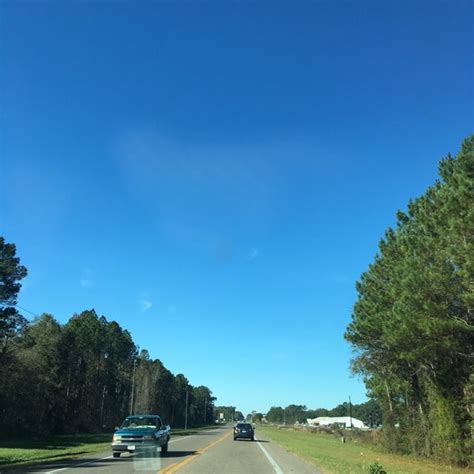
[274, 464]
[180, 438]
[78, 465]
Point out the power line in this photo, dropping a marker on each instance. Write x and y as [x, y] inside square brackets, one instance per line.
[27, 310]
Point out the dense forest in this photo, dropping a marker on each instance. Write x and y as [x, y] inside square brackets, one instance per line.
[412, 327]
[82, 376]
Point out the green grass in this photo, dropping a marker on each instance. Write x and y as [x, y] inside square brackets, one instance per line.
[21, 453]
[191, 431]
[326, 452]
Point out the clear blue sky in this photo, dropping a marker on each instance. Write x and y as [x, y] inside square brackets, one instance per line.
[216, 176]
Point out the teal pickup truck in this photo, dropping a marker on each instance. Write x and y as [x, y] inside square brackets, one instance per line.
[140, 432]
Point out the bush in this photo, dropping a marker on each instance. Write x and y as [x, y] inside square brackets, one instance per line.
[376, 468]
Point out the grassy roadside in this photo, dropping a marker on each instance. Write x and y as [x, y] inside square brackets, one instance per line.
[18, 453]
[21, 453]
[331, 456]
[191, 431]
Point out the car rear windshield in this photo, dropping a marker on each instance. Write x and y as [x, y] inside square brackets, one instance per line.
[244, 426]
[141, 422]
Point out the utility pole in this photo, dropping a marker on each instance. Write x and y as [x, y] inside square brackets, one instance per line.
[186, 413]
[350, 411]
[102, 405]
[132, 396]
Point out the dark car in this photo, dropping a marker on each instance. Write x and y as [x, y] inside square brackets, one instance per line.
[244, 430]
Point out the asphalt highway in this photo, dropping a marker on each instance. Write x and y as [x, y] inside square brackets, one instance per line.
[205, 452]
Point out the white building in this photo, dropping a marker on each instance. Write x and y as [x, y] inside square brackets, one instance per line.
[336, 420]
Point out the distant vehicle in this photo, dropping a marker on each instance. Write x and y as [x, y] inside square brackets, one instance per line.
[140, 432]
[244, 430]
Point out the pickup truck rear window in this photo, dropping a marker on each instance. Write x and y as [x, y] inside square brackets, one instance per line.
[141, 422]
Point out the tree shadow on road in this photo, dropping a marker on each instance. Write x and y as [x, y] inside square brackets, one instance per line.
[255, 441]
[138, 457]
[66, 464]
[178, 454]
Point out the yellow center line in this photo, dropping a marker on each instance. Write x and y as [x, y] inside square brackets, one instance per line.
[172, 468]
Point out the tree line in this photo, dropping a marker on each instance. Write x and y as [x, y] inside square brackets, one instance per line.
[82, 376]
[412, 326]
[229, 413]
[368, 412]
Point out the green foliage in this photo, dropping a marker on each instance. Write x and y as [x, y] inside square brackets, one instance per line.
[276, 415]
[295, 413]
[376, 468]
[369, 412]
[257, 417]
[289, 415]
[80, 377]
[228, 412]
[413, 323]
[11, 272]
[84, 376]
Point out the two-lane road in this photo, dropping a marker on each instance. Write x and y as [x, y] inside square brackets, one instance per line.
[205, 452]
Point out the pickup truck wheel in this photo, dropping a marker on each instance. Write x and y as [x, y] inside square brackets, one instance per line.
[116, 455]
[164, 449]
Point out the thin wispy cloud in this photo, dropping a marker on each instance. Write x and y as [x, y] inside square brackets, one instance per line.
[144, 301]
[253, 254]
[86, 279]
[145, 305]
[174, 173]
